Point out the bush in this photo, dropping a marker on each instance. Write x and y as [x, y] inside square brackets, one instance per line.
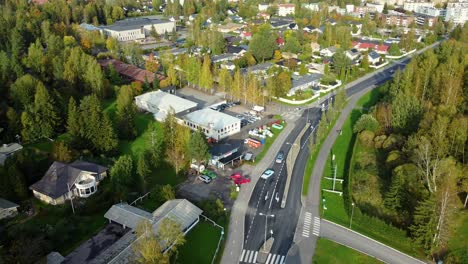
[379, 140]
[366, 122]
[367, 138]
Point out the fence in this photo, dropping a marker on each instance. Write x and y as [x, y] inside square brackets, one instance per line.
[220, 238]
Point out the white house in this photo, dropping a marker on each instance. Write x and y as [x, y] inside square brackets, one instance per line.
[131, 29]
[305, 82]
[373, 57]
[286, 9]
[6, 150]
[214, 124]
[328, 52]
[353, 54]
[65, 181]
[7, 209]
[263, 7]
[457, 12]
[160, 104]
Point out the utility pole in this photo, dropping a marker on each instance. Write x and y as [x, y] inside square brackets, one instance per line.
[71, 199]
[266, 227]
[352, 213]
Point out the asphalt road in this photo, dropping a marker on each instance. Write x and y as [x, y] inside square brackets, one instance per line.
[283, 225]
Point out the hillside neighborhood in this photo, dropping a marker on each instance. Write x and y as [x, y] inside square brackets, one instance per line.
[233, 131]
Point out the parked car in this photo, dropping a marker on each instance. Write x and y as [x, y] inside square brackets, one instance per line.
[280, 157]
[210, 174]
[204, 179]
[237, 178]
[267, 174]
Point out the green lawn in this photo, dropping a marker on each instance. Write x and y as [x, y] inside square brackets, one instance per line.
[330, 252]
[201, 244]
[339, 207]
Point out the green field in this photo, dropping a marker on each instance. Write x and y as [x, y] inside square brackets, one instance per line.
[201, 244]
[330, 252]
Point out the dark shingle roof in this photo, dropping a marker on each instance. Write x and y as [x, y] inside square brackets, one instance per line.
[133, 23]
[5, 204]
[60, 176]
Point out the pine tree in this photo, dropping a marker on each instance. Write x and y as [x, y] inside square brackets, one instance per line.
[394, 198]
[17, 182]
[126, 111]
[424, 223]
[73, 120]
[121, 175]
[198, 148]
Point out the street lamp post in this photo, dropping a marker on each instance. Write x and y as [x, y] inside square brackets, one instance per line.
[352, 213]
[266, 227]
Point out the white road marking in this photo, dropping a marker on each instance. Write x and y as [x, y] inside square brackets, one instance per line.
[276, 183]
[268, 259]
[255, 257]
[251, 256]
[282, 259]
[316, 228]
[242, 255]
[273, 259]
[307, 222]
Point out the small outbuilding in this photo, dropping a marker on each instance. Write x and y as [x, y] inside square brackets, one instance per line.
[7, 209]
[7, 150]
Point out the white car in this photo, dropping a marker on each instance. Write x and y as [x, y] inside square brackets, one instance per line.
[267, 174]
[204, 179]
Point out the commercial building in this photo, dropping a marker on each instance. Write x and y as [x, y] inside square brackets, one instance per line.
[214, 124]
[66, 181]
[160, 104]
[457, 12]
[131, 29]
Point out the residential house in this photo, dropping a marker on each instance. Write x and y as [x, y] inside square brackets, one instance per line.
[228, 65]
[365, 44]
[353, 54]
[131, 29]
[397, 19]
[236, 50]
[263, 7]
[231, 11]
[7, 209]
[160, 104]
[65, 181]
[259, 69]
[174, 52]
[263, 15]
[280, 42]
[312, 7]
[293, 26]
[224, 57]
[315, 46]
[7, 150]
[311, 29]
[246, 35]
[305, 82]
[373, 57]
[279, 24]
[328, 52]
[286, 9]
[230, 27]
[332, 21]
[129, 71]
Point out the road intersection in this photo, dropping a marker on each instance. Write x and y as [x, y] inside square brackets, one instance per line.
[294, 230]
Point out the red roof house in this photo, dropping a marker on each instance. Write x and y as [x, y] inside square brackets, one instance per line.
[363, 45]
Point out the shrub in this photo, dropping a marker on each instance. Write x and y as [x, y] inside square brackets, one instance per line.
[366, 137]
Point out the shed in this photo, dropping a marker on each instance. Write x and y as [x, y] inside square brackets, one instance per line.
[7, 209]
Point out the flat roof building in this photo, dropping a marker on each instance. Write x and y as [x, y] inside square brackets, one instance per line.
[305, 82]
[160, 103]
[214, 124]
[137, 28]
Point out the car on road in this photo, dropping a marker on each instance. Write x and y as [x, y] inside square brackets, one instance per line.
[280, 157]
[204, 179]
[210, 174]
[267, 174]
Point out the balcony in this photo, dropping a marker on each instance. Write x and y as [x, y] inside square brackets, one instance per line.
[86, 187]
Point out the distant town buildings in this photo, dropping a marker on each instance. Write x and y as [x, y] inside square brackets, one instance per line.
[414, 4]
[286, 9]
[131, 29]
[457, 12]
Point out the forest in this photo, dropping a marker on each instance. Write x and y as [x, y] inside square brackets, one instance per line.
[409, 163]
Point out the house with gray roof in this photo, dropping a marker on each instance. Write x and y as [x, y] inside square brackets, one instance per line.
[7, 150]
[224, 57]
[213, 123]
[65, 181]
[305, 82]
[131, 29]
[261, 68]
[7, 209]
[373, 57]
[181, 211]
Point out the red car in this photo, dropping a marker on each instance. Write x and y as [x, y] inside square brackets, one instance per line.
[237, 178]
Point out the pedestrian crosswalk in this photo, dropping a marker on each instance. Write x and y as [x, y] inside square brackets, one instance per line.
[316, 229]
[307, 222]
[275, 259]
[252, 256]
[249, 256]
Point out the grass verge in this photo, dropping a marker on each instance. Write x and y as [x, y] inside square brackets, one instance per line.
[330, 252]
[339, 208]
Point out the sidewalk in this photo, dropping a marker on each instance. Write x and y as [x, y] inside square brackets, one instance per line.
[235, 235]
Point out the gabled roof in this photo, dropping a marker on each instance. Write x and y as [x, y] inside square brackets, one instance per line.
[179, 210]
[61, 176]
[127, 215]
[258, 68]
[130, 71]
[374, 55]
[235, 49]
[133, 23]
[306, 79]
[5, 204]
[7, 149]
